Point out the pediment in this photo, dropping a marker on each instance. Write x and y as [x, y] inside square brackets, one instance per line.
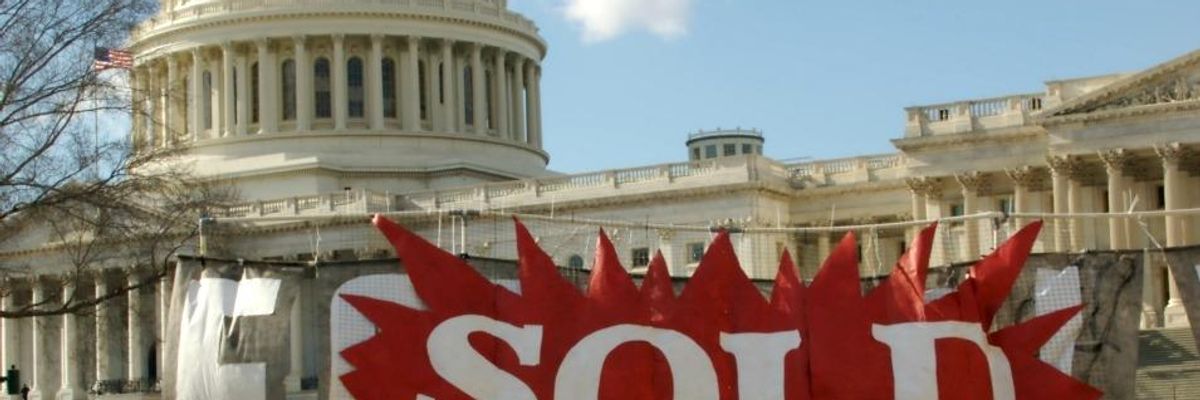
[1171, 86]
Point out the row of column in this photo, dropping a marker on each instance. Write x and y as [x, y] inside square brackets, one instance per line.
[1067, 175]
[139, 328]
[206, 92]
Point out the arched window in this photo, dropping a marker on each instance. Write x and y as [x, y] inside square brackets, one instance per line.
[187, 105]
[254, 100]
[468, 96]
[288, 76]
[235, 97]
[441, 78]
[423, 90]
[575, 262]
[322, 88]
[389, 88]
[206, 105]
[354, 86]
[487, 89]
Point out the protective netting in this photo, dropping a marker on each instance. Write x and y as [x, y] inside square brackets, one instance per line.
[1074, 267]
[571, 241]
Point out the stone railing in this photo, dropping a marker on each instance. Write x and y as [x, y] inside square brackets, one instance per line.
[483, 10]
[532, 191]
[505, 194]
[845, 170]
[359, 201]
[725, 132]
[971, 115]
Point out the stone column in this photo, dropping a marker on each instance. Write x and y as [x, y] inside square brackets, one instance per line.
[136, 362]
[228, 95]
[375, 83]
[137, 82]
[933, 210]
[171, 97]
[1174, 191]
[1115, 163]
[972, 183]
[268, 95]
[243, 95]
[518, 103]
[197, 109]
[161, 104]
[1025, 179]
[338, 70]
[478, 91]
[535, 123]
[103, 332]
[824, 246]
[411, 106]
[296, 343]
[1062, 168]
[10, 330]
[70, 388]
[38, 339]
[916, 188]
[499, 93]
[304, 86]
[447, 87]
[164, 314]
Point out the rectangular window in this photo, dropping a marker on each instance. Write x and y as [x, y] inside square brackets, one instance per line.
[710, 151]
[956, 210]
[641, 257]
[1162, 197]
[1004, 205]
[695, 252]
[943, 114]
[695, 153]
[1104, 201]
[731, 150]
[747, 149]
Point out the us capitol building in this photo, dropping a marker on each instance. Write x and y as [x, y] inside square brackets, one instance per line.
[314, 108]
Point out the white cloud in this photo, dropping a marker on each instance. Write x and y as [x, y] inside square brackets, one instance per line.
[606, 19]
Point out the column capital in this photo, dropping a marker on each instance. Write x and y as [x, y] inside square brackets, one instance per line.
[172, 62]
[1117, 160]
[1171, 153]
[227, 46]
[972, 181]
[299, 39]
[262, 43]
[338, 37]
[377, 38]
[921, 185]
[1064, 165]
[412, 40]
[449, 43]
[1028, 177]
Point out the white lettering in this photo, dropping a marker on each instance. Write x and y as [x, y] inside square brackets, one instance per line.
[914, 357]
[760, 358]
[457, 362]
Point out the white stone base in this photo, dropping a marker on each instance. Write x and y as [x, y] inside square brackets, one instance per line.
[1175, 316]
[1150, 320]
[70, 394]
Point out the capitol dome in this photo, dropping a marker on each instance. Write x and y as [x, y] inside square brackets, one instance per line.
[384, 95]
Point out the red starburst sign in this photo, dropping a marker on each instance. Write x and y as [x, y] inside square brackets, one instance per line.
[719, 339]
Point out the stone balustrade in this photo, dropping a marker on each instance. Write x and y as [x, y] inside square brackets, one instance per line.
[471, 9]
[972, 115]
[847, 170]
[530, 191]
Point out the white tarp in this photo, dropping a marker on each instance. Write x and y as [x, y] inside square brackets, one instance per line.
[1055, 290]
[199, 373]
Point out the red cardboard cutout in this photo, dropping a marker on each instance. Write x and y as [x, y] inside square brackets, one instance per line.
[838, 356]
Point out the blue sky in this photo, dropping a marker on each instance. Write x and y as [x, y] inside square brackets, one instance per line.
[626, 80]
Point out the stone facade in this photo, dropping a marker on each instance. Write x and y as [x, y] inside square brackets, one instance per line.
[316, 109]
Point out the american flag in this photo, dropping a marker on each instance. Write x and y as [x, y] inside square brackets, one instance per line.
[106, 58]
